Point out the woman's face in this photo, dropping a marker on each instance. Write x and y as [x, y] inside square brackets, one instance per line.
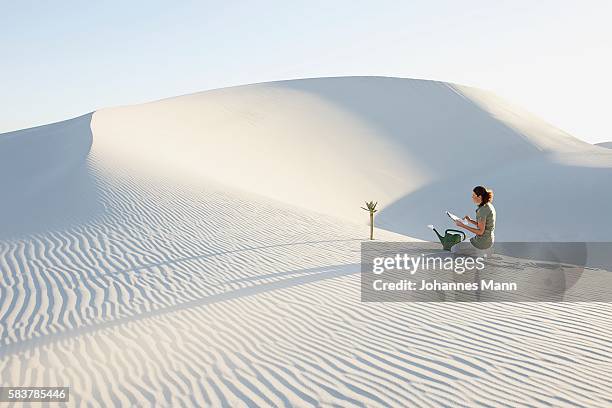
[476, 199]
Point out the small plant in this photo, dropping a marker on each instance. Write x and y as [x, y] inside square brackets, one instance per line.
[371, 208]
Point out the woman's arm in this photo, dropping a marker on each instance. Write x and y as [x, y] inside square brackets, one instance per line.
[478, 231]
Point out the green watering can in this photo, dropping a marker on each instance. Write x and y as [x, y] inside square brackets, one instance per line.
[450, 238]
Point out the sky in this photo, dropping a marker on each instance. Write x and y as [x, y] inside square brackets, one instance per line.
[62, 59]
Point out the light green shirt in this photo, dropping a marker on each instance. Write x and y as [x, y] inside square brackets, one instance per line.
[486, 213]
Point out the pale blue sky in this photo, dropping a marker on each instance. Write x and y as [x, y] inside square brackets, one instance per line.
[61, 59]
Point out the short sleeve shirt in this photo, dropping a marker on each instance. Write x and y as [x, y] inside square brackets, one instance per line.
[486, 213]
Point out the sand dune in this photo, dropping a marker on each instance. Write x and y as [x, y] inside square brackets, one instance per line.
[607, 145]
[341, 141]
[204, 251]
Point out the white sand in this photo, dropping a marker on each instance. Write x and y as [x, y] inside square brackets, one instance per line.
[205, 250]
[417, 147]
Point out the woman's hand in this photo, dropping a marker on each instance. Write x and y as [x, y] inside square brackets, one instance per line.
[459, 224]
[469, 220]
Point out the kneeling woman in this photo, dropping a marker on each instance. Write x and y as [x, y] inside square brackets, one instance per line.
[482, 242]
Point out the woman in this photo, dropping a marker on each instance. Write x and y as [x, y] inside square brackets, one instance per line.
[484, 223]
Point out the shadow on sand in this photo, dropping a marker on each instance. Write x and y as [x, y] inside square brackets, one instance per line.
[46, 178]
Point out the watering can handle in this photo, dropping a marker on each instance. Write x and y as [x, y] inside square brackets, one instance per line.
[454, 230]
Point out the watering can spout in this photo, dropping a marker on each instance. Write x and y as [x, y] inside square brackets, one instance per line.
[440, 237]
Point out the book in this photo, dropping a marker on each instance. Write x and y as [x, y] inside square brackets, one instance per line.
[455, 218]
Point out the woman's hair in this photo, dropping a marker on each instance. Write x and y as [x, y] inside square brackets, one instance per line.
[485, 194]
